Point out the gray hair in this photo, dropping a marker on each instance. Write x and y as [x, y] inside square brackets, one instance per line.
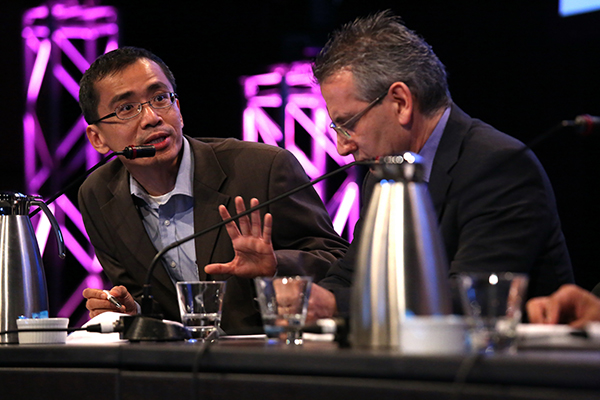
[380, 50]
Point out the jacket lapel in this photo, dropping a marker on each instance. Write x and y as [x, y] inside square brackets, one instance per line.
[446, 157]
[208, 178]
[123, 216]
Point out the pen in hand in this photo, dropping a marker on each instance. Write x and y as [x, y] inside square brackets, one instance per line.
[112, 299]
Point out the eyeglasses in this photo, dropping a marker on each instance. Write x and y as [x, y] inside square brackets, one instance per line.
[130, 110]
[340, 130]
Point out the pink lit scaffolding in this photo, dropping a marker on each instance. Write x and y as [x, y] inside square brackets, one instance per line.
[285, 108]
[60, 41]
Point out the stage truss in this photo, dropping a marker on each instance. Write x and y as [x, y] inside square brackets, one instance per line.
[284, 107]
[60, 41]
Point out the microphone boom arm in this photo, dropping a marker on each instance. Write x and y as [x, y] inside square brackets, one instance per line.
[147, 296]
[129, 152]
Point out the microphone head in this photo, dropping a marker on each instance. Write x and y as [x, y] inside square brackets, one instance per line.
[587, 124]
[133, 152]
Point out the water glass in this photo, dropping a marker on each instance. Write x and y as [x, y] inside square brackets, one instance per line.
[493, 304]
[283, 305]
[200, 305]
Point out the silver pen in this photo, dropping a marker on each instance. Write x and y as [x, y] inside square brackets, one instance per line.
[112, 299]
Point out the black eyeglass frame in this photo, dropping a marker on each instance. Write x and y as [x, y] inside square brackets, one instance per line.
[339, 129]
[140, 106]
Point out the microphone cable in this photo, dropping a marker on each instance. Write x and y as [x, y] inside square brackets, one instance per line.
[462, 374]
[99, 328]
[129, 152]
[202, 350]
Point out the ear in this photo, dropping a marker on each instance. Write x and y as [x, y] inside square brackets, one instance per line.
[96, 139]
[402, 97]
[180, 117]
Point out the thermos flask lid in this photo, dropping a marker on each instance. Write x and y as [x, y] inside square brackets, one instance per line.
[14, 203]
[407, 167]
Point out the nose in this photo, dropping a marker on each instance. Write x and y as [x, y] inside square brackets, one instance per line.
[149, 116]
[345, 145]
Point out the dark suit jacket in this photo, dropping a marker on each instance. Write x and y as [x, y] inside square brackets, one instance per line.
[303, 236]
[496, 210]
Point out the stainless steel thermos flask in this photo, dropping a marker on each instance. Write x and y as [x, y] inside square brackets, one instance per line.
[401, 267]
[23, 290]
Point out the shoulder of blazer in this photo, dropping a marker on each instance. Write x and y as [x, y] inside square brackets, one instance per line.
[219, 145]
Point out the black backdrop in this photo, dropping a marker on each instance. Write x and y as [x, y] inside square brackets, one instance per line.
[514, 64]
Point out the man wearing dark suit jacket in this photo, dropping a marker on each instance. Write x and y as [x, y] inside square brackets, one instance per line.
[132, 208]
[386, 92]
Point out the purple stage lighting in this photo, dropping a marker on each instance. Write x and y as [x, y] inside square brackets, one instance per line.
[304, 131]
[60, 41]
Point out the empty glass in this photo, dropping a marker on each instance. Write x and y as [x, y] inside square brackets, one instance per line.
[493, 304]
[200, 305]
[283, 305]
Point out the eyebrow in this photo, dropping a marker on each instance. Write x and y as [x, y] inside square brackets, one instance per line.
[339, 119]
[119, 97]
[128, 94]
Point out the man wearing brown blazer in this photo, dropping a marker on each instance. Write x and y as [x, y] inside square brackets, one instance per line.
[132, 208]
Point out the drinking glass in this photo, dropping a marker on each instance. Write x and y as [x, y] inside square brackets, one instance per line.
[200, 305]
[493, 305]
[283, 305]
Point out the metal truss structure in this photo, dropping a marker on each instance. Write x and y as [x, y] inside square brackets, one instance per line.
[60, 41]
[285, 108]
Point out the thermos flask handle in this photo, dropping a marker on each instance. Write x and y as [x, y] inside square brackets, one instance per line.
[55, 227]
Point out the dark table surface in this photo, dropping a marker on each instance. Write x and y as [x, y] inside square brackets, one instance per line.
[539, 370]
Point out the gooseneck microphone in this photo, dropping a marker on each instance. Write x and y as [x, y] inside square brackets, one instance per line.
[129, 152]
[149, 327]
[133, 152]
[587, 124]
[584, 125]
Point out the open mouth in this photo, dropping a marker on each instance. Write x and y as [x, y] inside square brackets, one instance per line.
[159, 142]
[156, 140]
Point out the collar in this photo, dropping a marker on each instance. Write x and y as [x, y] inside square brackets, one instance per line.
[431, 145]
[183, 183]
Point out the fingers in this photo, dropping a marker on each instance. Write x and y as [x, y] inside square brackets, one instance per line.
[98, 306]
[232, 229]
[120, 292]
[248, 226]
[578, 306]
[255, 219]
[321, 303]
[568, 304]
[219, 269]
[243, 221]
[90, 293]
[98, 303]
[536, 310]
[267, 228]
[580, 323]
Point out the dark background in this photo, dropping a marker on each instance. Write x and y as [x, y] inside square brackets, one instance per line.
[517, 65]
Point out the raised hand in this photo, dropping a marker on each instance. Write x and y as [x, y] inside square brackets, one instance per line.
[254, 254]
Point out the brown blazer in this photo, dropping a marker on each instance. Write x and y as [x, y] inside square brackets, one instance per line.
[303, 236]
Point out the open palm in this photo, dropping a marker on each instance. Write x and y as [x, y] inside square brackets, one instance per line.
[254, 254]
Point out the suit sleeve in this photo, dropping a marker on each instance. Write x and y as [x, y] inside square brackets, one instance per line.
[499, 215]
[303, 236]
[340, 275]
[502, 217]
